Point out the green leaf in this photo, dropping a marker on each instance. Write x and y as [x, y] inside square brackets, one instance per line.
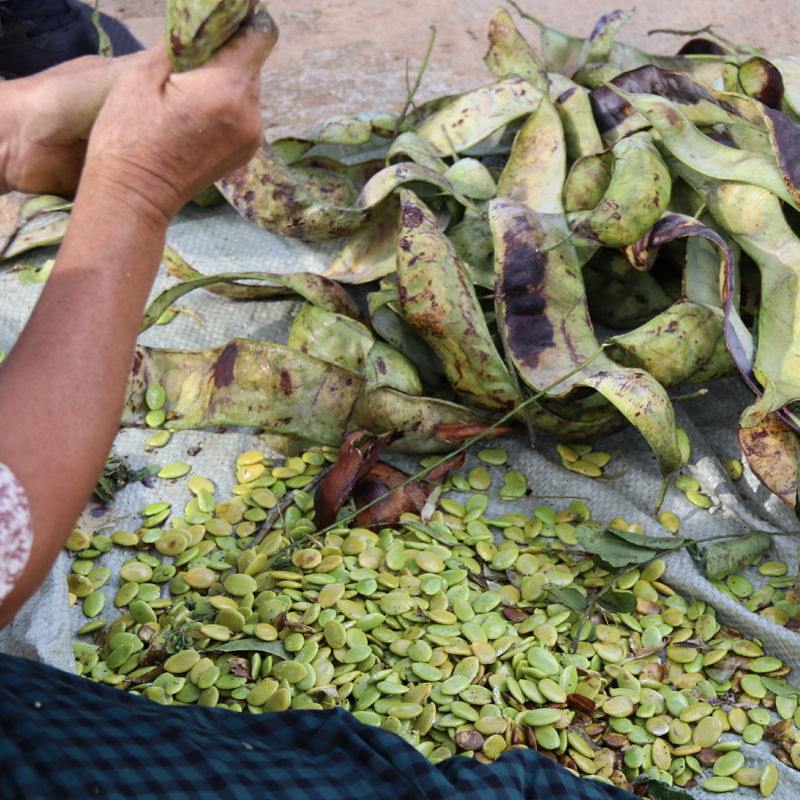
[659, 543]
[612, 549]
[694, 551]
[140, 474]
[779, 687]
[571, 598]
[725, 558]
[105, 489]
[617, 602]
[241, 645]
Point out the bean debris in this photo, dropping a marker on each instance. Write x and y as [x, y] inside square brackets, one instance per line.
[458, 643]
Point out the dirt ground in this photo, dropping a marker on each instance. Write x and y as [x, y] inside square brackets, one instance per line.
[339, 56]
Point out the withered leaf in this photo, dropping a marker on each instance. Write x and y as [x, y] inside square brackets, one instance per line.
[383, 478]
[358, 454]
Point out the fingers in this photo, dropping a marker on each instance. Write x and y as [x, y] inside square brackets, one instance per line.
[250, 46]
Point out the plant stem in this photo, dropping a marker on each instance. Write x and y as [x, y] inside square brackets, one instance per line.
[410, 98]
[693, 396]
[673, 32]
[527, 16]
[662, 494]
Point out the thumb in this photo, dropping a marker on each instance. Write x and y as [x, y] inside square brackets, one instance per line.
[250, 46]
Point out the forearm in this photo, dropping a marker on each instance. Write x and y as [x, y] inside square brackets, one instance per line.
[62, 385]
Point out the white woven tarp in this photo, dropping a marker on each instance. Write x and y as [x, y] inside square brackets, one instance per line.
[218, 240]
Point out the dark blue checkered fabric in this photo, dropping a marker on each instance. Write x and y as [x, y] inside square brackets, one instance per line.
[68, 738]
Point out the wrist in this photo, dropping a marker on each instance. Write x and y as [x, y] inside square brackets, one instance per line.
[130, 200]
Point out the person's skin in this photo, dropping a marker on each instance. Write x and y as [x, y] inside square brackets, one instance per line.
[158, 140]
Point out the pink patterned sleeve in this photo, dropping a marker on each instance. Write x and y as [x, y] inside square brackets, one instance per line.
[16, 535]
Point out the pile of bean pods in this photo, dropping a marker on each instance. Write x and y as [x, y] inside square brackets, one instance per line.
[600, 184]
[433, 629]
[597, 183]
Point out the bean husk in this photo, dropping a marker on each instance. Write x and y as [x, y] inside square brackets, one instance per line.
[314, 288]
[475, 116]
[438, 299]
[541, 300]
[18, 210]
[267, 193]
[196, 29]
[283, 391]
[509, 53]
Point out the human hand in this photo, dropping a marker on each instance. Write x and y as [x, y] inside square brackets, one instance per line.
[46, 123]
[162, 137]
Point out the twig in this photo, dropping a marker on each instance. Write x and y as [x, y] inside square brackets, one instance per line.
[410, 98]
[673, 32]
[408, 90]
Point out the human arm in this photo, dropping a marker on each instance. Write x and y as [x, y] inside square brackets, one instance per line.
[159, 139]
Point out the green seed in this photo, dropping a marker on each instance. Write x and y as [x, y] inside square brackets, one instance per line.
[181, 662]
[741, 588]
[733, 468]
[753, 733]
[479, 479]
[493, 456]
[91, 627]
[765, 664]
[587, 468]
[99, 576]
[175, 470]
[405, 710]
[136, 572]
[687, 484]
[720, 784]
[769, 780]
[93, 604]
[701, 501]
[542, 716]
[154, 508]
[670, 521]
[773, 568]
[155, 419]
[597, 458]
[155, 397]
[141, 612]
[729, 763]
[159, 439]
